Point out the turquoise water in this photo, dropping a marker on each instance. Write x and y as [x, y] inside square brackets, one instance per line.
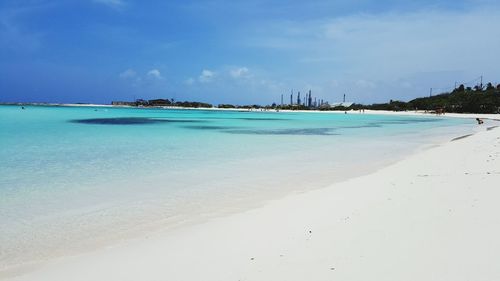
[75, 177]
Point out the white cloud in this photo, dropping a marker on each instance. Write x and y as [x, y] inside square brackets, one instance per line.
[154, 73]
[206, 76]
[369, 54]
[239, 72]
[129, 73]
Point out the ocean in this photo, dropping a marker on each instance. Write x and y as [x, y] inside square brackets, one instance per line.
[74, 178]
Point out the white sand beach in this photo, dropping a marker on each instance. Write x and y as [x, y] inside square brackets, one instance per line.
[432, 216]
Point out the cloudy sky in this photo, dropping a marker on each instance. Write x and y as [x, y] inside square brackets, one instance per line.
[243, 51]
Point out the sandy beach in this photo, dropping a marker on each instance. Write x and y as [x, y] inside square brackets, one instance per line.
[249, 140]
[432, 216]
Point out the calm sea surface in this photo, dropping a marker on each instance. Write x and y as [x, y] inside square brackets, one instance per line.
[75, 177]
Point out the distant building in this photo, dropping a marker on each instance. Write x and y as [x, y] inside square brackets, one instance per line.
[324, 105]
[344, 104]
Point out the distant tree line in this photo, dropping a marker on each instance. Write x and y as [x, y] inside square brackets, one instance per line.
[171, 102]
[248, 106]
[269, 107]
[463, 99]
[460, 100]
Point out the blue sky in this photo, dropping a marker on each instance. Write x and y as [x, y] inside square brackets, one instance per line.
[243, 51]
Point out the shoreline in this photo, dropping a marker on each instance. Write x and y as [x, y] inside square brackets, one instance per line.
[163, 238]
[490, 116]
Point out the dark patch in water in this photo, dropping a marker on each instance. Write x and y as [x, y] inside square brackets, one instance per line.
[179, 120]
[303, 132]
[369, 125]
[247, 118]
[262, 119]
[128, 121]
[207, 127]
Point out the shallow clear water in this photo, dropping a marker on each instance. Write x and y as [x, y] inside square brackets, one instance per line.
[71, 177]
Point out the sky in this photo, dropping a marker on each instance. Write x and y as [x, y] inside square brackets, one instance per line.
[243, 52]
